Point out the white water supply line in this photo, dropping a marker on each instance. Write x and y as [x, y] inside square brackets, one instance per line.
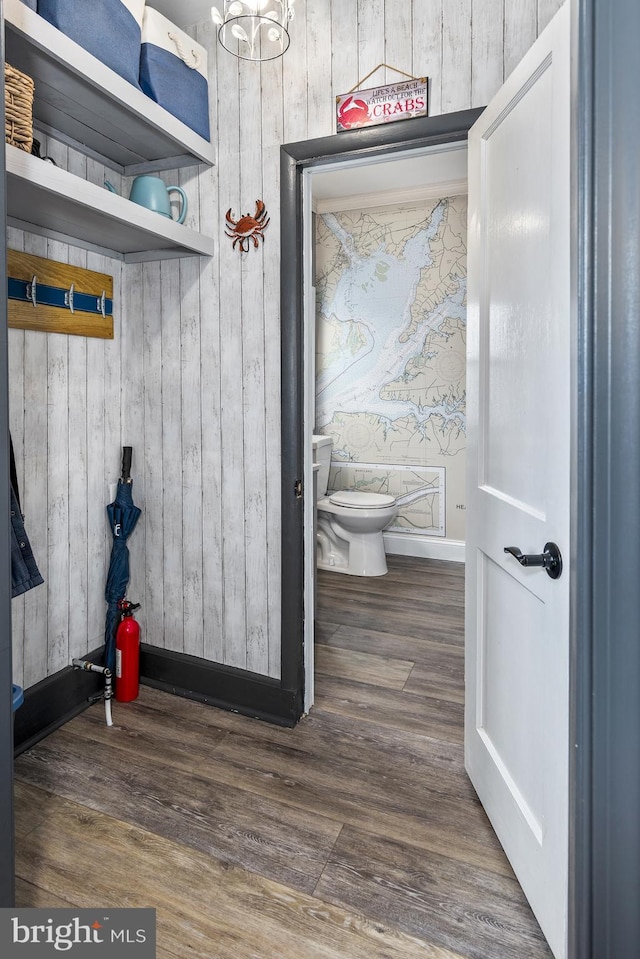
[108, 690]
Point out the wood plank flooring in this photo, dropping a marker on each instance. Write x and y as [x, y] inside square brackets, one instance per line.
[357, 834]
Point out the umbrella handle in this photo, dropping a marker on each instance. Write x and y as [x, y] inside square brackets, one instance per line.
[126, 463]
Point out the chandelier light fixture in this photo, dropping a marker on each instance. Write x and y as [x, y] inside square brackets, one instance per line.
[254, 29]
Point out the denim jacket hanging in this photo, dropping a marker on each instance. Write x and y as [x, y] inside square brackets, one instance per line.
[24, 570]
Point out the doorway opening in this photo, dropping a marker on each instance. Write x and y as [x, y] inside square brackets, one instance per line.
[373, 220]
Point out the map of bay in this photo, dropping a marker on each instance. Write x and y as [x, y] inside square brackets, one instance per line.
[391, 343]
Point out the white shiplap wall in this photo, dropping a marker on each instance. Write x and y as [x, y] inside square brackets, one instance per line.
[65, 410]
[192, 378]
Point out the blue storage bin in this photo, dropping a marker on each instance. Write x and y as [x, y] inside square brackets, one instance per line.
[18, 696]
[173, 71]
[109, 29]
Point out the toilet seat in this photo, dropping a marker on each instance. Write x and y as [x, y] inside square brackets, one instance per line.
[357, 500]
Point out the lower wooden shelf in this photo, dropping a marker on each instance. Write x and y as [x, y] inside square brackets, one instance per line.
[42, 198]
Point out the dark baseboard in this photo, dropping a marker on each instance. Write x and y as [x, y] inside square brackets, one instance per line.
[58, 698]
[235, 690]
[54, 701]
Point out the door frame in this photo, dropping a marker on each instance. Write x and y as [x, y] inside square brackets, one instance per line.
[297, 159]
[605, 650]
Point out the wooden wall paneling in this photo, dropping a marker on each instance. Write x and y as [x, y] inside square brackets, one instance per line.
[486, 50]
[112, 415]
[211, 217]
[520, 30]
[152, 517]
[78, 495]
[57, 151]
[294, 75]
[398, 50]
[272, 137]
[231, 341]
[131, 309]
[15, 241]
[58, 463]
[96, 479]
[370, 41]
[192, 423]
[172, 455]
[456, 55]
[103, 436]
[344, 28]
[183, 177]
[253, 406]
[97, 174]
[34, 492]
[547, 9]
[57, 583]
[426, 40]
[320, 108]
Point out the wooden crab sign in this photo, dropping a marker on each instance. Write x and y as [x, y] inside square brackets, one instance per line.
[247, 227]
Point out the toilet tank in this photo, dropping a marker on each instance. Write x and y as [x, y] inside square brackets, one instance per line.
[322, 455]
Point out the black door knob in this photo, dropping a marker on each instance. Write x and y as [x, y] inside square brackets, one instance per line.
[551, 559]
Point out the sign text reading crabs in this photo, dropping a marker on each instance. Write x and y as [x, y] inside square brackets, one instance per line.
[396, 101]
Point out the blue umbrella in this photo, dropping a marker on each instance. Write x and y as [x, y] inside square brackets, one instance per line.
[123, 516]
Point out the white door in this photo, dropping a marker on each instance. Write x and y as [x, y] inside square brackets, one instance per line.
[519, 318]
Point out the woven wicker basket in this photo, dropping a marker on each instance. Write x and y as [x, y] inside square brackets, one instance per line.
[18, 105]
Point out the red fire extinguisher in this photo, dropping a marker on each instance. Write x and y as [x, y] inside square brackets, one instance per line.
[127, 684]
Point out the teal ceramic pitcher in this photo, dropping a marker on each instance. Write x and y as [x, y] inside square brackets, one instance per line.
[150, 192]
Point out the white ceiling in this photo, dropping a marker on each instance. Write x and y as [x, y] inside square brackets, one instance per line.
[390, 173]
[184, 13]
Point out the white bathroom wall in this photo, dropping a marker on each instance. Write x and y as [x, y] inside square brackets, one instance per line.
[398, 426]
[191, 380]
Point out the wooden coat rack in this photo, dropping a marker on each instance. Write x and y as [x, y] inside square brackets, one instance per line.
[55, 297]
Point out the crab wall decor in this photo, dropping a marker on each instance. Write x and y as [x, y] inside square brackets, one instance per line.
[247, 227]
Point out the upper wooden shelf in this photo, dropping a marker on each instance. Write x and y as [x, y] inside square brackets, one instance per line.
[92, 107]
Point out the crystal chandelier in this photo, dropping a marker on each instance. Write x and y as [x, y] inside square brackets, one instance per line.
[254, 29]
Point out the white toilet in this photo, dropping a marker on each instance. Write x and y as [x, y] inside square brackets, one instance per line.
[350, 523]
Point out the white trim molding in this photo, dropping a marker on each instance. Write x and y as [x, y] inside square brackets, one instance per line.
[427, 547]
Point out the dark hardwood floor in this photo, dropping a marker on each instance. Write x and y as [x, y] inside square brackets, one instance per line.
[356, 834]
